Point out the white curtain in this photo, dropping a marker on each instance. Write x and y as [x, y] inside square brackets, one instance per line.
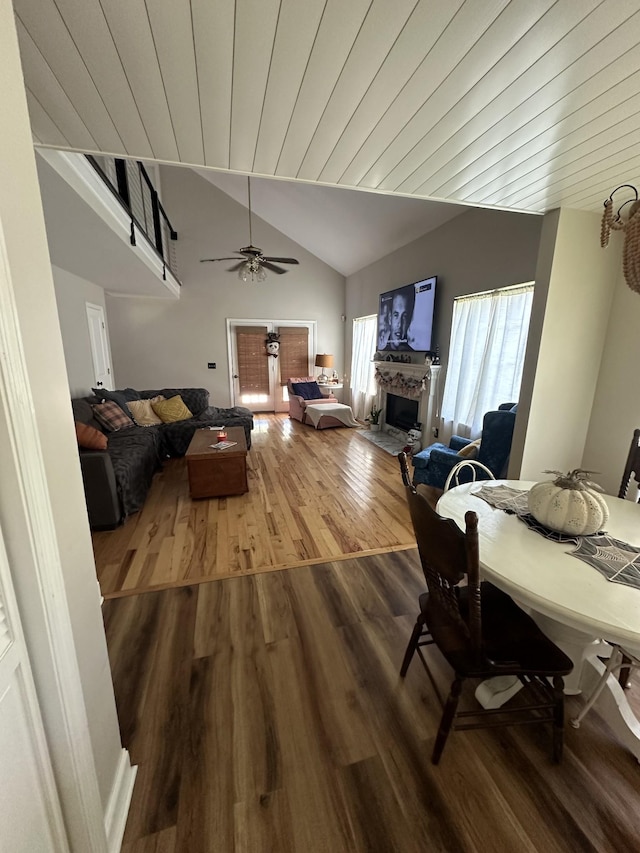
[363, 383]
[486, 356]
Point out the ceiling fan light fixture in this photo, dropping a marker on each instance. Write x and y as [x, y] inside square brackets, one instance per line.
[252, 271]
[254, 265]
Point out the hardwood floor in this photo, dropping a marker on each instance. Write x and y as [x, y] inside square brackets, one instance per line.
[313, 496]
[264, 708]
[266, 713]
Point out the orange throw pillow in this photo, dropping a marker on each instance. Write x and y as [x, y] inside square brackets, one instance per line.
[90, 438]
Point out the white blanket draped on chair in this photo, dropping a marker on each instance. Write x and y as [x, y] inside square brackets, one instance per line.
[339, 411]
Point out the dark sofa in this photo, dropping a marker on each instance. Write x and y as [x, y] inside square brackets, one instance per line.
[116, 481]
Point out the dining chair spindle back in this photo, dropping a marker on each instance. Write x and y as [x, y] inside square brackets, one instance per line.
[480, 630]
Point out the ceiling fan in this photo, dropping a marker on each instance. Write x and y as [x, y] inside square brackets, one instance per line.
[253, 266]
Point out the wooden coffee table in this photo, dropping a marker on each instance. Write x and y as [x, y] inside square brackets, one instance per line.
[217, 473]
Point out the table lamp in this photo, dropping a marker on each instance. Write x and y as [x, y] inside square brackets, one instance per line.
[324, 360]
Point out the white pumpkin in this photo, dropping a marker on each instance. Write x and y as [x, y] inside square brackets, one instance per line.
[569, 504]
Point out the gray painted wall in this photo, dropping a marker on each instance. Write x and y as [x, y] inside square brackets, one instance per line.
[480, 250]
[158, 343]
[72, 295]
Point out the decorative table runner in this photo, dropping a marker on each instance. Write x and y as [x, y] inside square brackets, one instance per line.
[618, 561]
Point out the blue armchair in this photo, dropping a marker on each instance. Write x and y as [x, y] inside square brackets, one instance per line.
[433, 464]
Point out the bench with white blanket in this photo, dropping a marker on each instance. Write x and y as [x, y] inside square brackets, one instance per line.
[325, 415]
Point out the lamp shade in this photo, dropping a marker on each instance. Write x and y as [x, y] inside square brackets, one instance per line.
[324, 360]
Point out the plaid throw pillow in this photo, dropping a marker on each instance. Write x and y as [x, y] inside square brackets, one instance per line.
[111, 416]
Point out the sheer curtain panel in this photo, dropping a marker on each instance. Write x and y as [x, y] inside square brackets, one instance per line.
[363, 384]
[486, 356]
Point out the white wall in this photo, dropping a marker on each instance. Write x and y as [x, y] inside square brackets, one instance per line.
[616, 406]
[72, 295]
[48, 525]
[159, 343]
[479, 250]
[574, 288]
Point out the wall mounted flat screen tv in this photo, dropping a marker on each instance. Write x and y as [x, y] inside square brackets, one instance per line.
[405, 317]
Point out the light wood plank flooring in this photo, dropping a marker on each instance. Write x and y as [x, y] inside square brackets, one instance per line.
[266, 713]
[313, 496]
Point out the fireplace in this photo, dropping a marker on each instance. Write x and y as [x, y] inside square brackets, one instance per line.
[401, 412]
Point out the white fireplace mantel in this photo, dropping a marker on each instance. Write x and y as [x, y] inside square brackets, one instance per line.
[427, 401]
[415, 371]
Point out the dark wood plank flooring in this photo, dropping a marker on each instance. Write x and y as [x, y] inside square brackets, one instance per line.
[265, 713]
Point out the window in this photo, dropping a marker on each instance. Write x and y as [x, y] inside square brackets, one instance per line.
[253, 368]
[486, 355]
[294, 352]
[363, 384]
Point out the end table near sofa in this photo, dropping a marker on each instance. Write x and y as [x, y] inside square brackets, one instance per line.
[217, 473]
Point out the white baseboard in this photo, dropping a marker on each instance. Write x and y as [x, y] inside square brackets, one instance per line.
[115, 817]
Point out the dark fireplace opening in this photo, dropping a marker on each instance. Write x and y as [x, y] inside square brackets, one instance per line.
[401, 412]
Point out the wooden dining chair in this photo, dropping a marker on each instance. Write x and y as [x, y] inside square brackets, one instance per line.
[453, 478]
[480, 630]
[632, 466]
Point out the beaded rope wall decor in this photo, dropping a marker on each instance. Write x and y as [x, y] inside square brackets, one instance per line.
[631, 228]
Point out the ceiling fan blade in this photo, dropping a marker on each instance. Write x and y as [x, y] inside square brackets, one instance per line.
[265, 263]
[207, 260]
[282, 260]
[237, 266]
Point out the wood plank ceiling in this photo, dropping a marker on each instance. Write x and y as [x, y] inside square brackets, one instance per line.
[519, 104]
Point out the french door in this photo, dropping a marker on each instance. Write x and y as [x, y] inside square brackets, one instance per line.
[258, 380]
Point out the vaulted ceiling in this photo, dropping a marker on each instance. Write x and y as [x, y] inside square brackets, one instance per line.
[519, 104]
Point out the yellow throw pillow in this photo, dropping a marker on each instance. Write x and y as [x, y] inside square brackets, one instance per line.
[142, 411]
[171, 410]
[470, 451]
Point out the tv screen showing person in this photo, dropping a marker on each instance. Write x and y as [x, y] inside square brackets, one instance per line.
[398, 312]
[405, 317]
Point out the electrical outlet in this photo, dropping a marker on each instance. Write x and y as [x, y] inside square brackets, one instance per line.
[435, 432]
[211, 365]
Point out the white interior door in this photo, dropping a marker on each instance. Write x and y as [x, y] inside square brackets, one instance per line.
[99, 346]
[30, 814]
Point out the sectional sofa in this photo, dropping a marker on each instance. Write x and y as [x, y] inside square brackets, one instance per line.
[116, 480]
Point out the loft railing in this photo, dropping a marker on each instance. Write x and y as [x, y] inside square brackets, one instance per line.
[132, 186]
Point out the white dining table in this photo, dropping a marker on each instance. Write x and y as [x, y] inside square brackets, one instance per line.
[572, 602]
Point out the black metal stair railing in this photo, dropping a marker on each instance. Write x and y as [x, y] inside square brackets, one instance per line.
[132, 186]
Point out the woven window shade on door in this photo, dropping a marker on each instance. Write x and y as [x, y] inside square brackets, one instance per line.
[253, 368]
[294, 352]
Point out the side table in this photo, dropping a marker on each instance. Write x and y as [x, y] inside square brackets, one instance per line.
[329, 388]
